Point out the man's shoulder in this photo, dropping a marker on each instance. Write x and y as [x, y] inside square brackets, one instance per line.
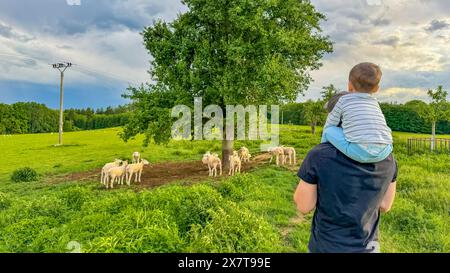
[323, 150]
[326, 151]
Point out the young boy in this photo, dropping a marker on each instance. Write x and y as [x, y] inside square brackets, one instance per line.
[355, 124]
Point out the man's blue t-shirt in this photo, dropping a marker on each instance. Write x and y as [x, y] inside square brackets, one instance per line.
[349, 195]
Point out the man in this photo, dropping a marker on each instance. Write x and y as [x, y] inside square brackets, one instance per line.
[348, 197]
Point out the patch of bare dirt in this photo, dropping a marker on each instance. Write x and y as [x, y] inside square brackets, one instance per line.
[163, 173]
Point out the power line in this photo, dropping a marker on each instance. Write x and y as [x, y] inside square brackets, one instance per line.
[78, 67]
[24, 57]
[62, 67]
[85, 70]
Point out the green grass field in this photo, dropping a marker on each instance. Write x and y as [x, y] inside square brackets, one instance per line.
[252, 212]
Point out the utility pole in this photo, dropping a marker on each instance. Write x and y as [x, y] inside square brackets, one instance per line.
[62, 68]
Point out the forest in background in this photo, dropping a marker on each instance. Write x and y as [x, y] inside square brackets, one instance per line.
[31, 117]
[399, 117]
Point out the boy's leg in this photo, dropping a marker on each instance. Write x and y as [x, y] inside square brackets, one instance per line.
[324, 137]
[357, 152]
[335, 135]
[369, 153]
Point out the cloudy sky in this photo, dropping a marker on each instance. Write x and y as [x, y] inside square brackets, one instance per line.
[409, 39]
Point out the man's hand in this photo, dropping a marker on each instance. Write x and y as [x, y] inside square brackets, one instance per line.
[305, 197]
[388, 199]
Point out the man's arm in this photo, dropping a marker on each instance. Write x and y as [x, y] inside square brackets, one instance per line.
[389, 197]
[305, 197]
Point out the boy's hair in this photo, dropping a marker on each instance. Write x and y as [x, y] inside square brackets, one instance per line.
[365, 77]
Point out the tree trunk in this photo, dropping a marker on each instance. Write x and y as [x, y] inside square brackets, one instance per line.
[313, 128]
[433, 136]
[227, 150]
[227, 142]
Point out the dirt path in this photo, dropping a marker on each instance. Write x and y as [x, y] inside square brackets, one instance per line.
[163, 173]
[293, 222]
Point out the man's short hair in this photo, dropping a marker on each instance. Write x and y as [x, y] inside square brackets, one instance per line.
[365, 77]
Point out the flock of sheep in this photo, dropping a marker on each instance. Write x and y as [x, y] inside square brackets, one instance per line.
[236, 159]
[282, 155]
[120, 170]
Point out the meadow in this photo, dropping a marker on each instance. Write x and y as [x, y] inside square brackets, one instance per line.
[251, 212]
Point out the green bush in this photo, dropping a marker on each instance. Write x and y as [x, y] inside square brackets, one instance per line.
[24, 175]
[237, 187]
[186, 206]
[138, 231]
[75, 197]
[233, 229]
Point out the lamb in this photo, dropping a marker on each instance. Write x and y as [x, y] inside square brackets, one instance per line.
[278, 152]
[117, 172]
[106, 168]
[235, 164]
[290, 153]
[213, 161]
[244, 154]
[136, 169]
[136, 157]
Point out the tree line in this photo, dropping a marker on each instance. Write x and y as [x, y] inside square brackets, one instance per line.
[415, 116]
[31, 117]
[399, 117]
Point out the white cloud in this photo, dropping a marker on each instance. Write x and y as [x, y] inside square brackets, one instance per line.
[392, 34]
[402, 95]
[114, 56]
[73, 2]
[395, 34]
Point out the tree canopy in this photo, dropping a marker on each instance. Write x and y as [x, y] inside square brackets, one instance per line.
[227, 52]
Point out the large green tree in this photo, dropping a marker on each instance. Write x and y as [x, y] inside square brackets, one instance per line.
[328, 92]
[438, 109]
[314, 114]
[229, 52]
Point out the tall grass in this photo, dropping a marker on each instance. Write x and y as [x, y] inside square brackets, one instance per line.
[251, 212]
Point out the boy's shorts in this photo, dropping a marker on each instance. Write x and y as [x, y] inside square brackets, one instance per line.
[363, 153]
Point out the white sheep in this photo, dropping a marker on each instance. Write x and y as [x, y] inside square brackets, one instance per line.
[244, 154]
[235, 163]
[213, 161]
[278, 152]
[136, 157]
[136, 169]
[289, 153]
[117, 172]
[106, 168]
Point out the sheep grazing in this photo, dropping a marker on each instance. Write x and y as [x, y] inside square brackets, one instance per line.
[136, 157]
[117, 172]
[289, 153]
[213, 161]
[278, 152]
[136, 169]
[106, 168]
[235, 163]
[244, 154]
